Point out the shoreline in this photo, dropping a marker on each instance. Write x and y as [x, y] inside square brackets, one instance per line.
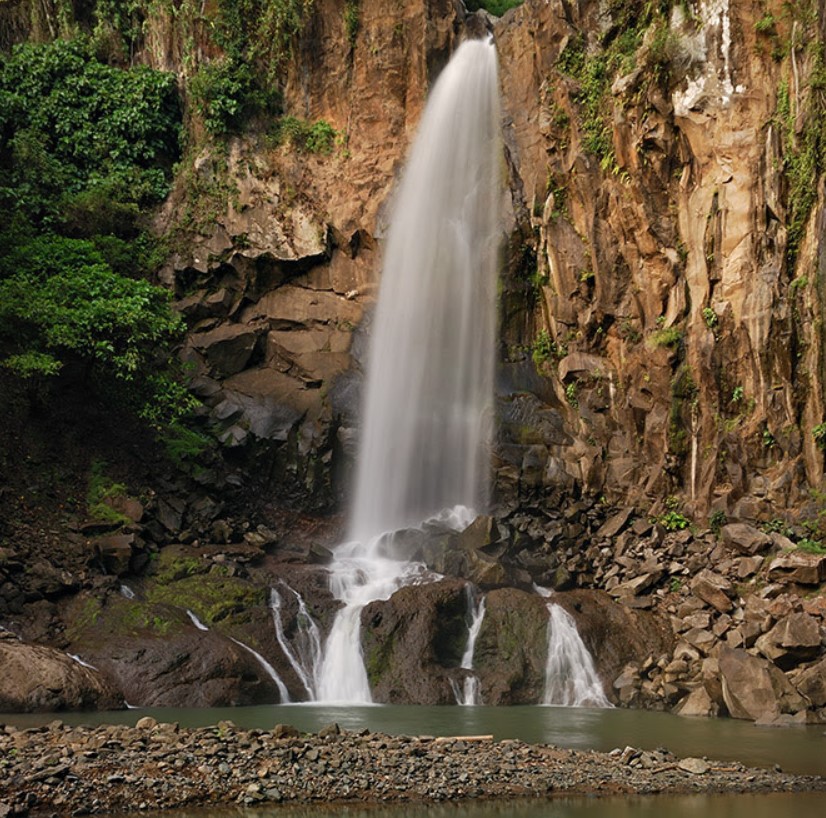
[61, 770]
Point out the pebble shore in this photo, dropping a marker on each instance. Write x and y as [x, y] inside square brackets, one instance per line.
[60, 770]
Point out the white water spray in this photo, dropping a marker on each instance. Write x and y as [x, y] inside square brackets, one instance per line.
[429, 391]
[570, 676]
[268, 669]
[469, 695]
[306, 657]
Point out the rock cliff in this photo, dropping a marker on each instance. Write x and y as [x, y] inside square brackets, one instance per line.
[661, 356]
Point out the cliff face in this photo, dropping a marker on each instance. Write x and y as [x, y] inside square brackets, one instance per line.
[661, 309]
[664, 174]
[678, 296]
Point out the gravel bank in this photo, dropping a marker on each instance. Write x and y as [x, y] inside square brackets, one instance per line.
[60, 770]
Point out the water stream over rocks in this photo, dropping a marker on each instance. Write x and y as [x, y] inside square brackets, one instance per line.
[429, 390]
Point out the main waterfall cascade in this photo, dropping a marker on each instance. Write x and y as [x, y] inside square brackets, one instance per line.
[429, 387]
[427, 412]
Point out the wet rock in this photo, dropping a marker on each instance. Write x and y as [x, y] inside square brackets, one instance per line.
[412, 640]
[745, 538]
[512, 647]
[115, 551]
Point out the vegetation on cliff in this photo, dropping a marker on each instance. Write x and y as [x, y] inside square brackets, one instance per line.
[86, 149]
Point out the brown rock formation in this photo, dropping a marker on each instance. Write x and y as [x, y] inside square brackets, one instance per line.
[37, 678]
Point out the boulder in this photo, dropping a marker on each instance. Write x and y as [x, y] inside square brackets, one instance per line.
[115, 552]
[794, 639]
[413, 640]
[811, 683]
[745, 538]
[37, 678]
[615, 635]
[798, 567]
[697, 703]
[713, 589]
[637, 585]
[753, 688]
[512, 647]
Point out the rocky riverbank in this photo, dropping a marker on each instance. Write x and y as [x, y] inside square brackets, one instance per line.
[61, 770]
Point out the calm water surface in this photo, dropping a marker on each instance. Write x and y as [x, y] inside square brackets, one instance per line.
[795, 749]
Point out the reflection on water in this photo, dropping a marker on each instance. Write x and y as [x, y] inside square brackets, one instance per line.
[776, 805]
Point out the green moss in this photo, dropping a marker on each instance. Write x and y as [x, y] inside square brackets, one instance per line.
[211, 597]
[171, 567]
[101, 489]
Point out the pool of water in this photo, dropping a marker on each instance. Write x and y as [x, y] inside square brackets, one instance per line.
[794, 749]
[776, 805]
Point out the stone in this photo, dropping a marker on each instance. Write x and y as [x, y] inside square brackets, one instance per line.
[36, 678]
[614, 524]
[753, 688]
[329, 730]
[146, 723]
[696, 703]
[285, 731]
[637, 585]
[745, 538]
[794, 639]
[713, 589]
[811, 683]
[227, 348]
[115, 552]
[798, 567]
[695, 766]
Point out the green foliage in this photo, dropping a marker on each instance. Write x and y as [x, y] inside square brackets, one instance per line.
[571, 394]
[542, 347]
[311, 137]
[710, 316]
[77, 132]
[496, 7]
[819, 434]
[766, 24]
[352, 21]
[60, 302]
[101, 489]
[737, 394]
[666, 337]
[716, 520]
[221, 92]
[673, 521]
[804, 153]
[811, 546]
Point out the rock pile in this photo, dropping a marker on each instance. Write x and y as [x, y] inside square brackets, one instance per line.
[58, 770]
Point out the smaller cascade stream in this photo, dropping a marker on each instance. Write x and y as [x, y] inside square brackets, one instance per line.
[469, 694]
[268, 668]
[570, 676]
[306, 658]
[75, 658]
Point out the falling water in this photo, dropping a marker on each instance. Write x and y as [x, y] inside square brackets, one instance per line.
[75, 658]
[268, 668]
[305, 659]
[429, 389]
[469, 695]
[570, 676]
[196, 622]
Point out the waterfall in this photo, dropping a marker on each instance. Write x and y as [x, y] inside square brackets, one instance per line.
[127, 592]
[196, 622]
[469, 694]
[268, 668]
[75, 658]
[570, 676]
[429, 388]
[306, 662]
